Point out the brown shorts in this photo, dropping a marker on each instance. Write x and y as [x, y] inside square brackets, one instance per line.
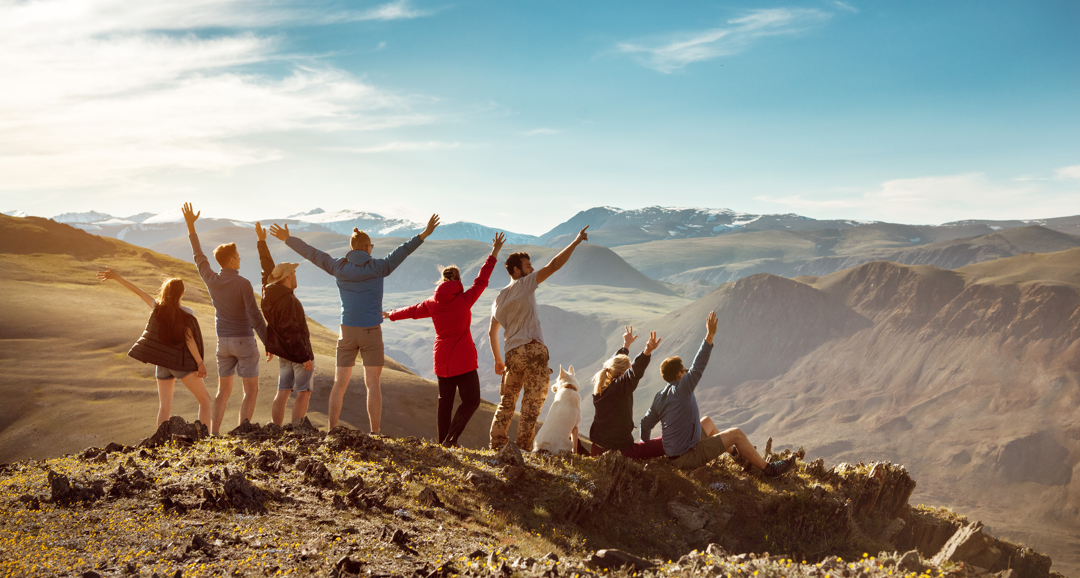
[367, 341]
[706, 450]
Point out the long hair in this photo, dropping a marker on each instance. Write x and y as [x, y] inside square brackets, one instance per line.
[612, 369]
[173, 327]
[450, 273]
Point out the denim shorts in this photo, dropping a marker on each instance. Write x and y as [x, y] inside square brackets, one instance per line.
[293, 376]
[166, 373]
[237, 353]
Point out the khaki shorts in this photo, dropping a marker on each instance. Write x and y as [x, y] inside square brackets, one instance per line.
[367, 341]
[706, 450]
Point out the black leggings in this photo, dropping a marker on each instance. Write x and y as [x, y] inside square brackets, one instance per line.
[468, 384]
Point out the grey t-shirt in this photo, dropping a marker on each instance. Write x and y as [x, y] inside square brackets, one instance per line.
[515, 309]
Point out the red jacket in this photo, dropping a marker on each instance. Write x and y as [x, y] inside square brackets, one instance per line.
[451, 312]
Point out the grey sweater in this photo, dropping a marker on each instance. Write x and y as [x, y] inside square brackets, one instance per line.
[675, 407]
[235, 310]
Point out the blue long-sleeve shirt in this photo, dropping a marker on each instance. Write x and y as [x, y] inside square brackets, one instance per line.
[235, 311]
[675, 407]
[359, 278]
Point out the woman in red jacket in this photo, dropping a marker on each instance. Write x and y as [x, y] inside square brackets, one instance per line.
[450, 309]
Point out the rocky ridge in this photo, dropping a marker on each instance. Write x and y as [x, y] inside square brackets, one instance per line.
[294, 500]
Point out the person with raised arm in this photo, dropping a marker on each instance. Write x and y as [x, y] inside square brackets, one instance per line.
[689, 440]
[360, 285]
[454, 353]
[526, 364]
[613, 398]
[172, 341]
[287, 334]
[235, 314]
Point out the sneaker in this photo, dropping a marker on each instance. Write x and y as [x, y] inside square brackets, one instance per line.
[777, 468]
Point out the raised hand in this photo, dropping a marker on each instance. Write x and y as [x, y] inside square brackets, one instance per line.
[628, 337]
[497, 243]
[107, 274]
[582, 235]
[652, 343]
[260, 233]
[430, 228]
[710, 326]
[279, 233]
[190, 216]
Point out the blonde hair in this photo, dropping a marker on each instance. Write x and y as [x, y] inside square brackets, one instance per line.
[450, 273]
[612, 369]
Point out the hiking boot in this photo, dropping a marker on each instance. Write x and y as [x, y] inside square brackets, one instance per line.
[777, 468]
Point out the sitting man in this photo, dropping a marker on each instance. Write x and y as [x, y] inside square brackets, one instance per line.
[686, 442]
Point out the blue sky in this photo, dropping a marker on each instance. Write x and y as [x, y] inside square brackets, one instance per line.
[519, 114]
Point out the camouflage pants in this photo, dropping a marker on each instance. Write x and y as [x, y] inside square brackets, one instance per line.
[526, 368]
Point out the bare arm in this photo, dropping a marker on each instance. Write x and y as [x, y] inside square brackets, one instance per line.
[559, 260]
[493, 340]
[194, 349]
[110, 274]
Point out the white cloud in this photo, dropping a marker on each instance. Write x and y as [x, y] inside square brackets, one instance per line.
[541, 132]
[676, 51]
[102, 92]
[845, 6]
[390, 147]
[939, 199]
[1072, 172]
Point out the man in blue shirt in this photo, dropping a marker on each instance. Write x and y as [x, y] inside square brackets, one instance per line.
[360, 284]
[675, 407]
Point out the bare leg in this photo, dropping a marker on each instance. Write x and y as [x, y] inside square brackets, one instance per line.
[197, 387]
[573, 439]
[337, 394]
[251, 394]
[709, 427]
[736, 437]
[165, 395]
[299, 408]
[277, 413]
[374, 396]
[224, 390]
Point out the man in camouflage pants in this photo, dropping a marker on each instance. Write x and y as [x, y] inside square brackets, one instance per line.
[526, 366]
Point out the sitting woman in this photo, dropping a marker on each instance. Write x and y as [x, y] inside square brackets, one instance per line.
[613, 398]
[172, 341]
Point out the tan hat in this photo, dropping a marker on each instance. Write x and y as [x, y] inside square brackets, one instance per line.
[281, 271]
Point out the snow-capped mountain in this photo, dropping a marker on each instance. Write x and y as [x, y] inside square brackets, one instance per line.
[16, 214]
[87, 217]
[376, 225]
[612, 226]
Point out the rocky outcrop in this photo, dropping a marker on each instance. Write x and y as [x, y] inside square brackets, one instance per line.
[176, 430]
[974, 547]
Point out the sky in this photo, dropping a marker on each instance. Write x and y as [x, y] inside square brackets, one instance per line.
[517, 115]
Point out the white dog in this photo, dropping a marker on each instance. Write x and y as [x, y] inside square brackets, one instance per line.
[560, 430]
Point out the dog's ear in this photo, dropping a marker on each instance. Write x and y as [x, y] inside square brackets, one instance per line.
[561, 372]
[571, 370]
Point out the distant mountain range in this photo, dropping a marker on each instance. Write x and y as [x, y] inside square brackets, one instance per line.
[608, 226]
